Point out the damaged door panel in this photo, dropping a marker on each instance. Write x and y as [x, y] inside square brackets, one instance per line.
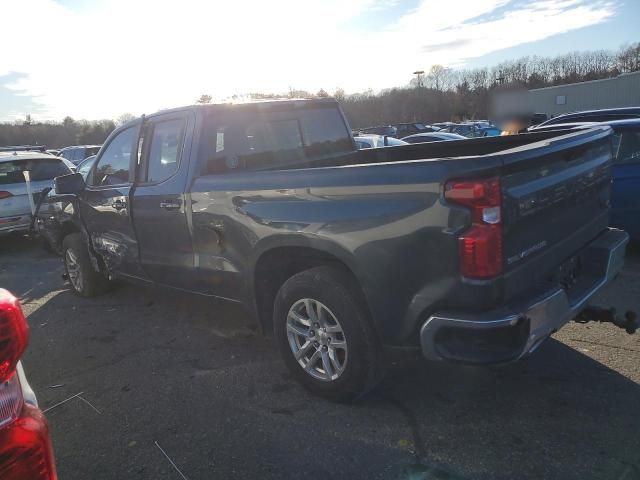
[106, 205]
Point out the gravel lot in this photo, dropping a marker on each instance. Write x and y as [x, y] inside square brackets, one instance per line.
[165, 371]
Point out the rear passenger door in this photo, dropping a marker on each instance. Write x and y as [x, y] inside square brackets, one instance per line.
[159, 201]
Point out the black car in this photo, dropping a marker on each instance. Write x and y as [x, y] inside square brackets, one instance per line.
[78, 153]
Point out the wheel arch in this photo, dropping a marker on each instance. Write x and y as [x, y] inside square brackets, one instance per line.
[277, 262]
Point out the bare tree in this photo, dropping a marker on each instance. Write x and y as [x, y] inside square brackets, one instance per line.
[204, 98]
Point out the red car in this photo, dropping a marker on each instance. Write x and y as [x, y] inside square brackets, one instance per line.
[25, 444]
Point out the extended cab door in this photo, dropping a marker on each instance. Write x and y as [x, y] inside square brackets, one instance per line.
[105, 204]
[625, 194]
[159, 203]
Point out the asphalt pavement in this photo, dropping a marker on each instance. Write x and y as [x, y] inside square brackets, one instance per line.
[176, 386]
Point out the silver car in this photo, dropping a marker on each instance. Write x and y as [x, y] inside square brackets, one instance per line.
[15, 208]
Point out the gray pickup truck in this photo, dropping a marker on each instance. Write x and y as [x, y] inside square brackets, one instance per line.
[473, 251]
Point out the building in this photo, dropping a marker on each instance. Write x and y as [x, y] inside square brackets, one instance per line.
[620, 91]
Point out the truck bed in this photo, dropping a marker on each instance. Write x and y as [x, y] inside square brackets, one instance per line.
[382, 213]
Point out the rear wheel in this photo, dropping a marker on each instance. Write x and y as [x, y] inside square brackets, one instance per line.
[85, 281]
[324, 334]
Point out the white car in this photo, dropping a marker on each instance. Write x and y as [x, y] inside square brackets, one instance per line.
[432, 137]
[376, 141]
[15, 207]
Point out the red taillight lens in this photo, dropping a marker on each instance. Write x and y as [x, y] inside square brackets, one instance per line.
[25, 448]
[14, 334]
[480, 245]
[4, 194]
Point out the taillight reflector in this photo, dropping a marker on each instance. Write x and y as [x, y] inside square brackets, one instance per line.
[5, 194]
[14, 334]
[480, 246]
[25, 448]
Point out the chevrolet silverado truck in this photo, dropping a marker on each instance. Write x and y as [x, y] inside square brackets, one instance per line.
[473, 251]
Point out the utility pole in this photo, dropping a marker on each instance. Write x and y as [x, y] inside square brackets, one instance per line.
[419, 75]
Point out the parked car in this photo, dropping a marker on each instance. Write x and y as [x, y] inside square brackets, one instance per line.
[406, 129]
[23, 148]
[387, 131]
[15, 206]
[468, 130]
[26, 451]
[433, 137]
[602, 115]
[448, 247]
[376, 141]
[489, 132]
[85, 166]
[54, 213]
[441, 125]
[625, 201]
[78, 153]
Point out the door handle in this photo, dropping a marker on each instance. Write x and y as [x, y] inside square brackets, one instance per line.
[170, 205]
[119, 204]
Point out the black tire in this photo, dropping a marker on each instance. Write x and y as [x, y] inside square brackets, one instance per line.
[336, 290]
[92, 283]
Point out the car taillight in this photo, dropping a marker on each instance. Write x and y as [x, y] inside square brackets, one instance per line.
[25, 448]
[25, 444]
[4, 194]
[480, 246]
[14, 334]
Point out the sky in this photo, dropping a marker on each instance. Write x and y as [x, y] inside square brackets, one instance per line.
[97, 59]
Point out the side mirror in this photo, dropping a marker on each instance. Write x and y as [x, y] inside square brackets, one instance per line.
[72, 183]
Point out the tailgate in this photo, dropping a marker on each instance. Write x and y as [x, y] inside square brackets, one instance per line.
[555, 201]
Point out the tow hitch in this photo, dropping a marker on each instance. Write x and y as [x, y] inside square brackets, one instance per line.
[609, 315]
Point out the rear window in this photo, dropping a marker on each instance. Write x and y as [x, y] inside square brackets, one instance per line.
[274, 139]
[41, 169]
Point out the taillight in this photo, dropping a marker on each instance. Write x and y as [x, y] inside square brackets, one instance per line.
[5, 194]
[480, 246]
[14, 334]
[25, 444]
[25, 448]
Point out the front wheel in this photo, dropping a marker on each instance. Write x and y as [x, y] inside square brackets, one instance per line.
[325, 336]
[85, 281]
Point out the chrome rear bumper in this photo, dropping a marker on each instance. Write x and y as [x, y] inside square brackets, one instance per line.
[512, 332]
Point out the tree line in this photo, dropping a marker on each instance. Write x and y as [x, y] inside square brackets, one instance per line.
[58, 134]
[445, 94]
[440, 94]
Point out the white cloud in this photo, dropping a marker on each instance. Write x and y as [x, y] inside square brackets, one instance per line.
[139, 56]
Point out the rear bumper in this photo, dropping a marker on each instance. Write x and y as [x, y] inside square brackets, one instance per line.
[512, 332]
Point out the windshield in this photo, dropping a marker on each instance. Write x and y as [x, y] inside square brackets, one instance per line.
[40, 169]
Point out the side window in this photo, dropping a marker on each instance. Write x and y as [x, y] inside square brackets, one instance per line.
[626, 147]
[113, 166]
[256, 144]
[164, 149]
[362, 145]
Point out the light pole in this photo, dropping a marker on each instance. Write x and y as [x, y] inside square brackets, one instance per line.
[419, 74]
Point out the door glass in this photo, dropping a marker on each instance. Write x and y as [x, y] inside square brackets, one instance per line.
[113, 166]
[164, 150]
[626, 147]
